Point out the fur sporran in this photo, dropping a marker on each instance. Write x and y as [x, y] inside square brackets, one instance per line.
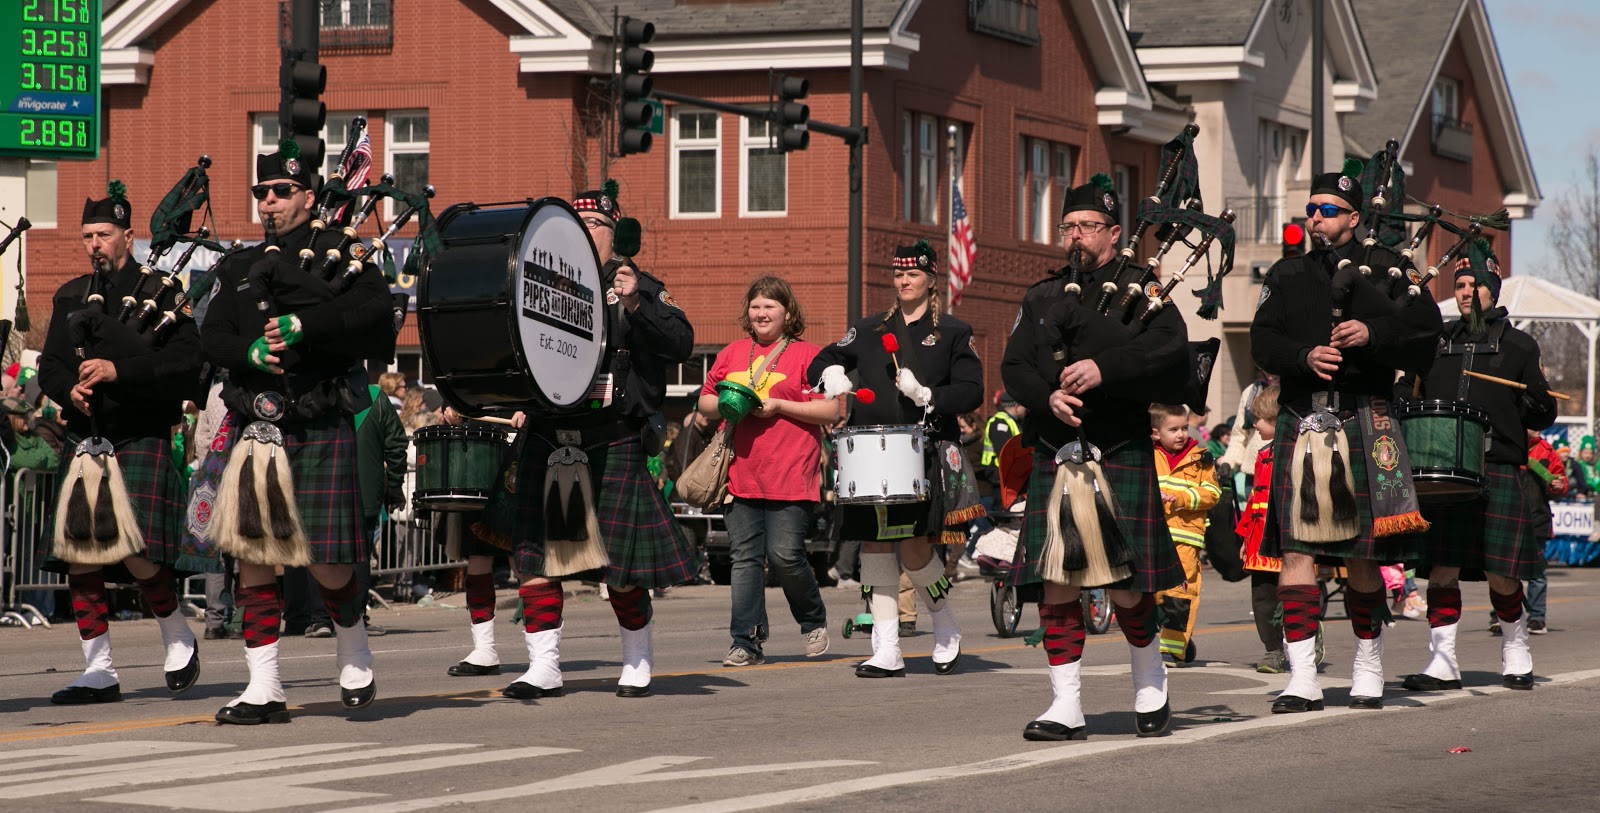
[1084, 545]
[95, 520]
[1324, 506]
[256, 520]
[572, 542]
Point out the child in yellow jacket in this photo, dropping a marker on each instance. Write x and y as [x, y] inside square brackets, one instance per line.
[1188, 478]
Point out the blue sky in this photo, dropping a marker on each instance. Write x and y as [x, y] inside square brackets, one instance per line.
[1540, 43]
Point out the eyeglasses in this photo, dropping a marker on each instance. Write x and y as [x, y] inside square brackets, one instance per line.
[596, 223]
[1087, 228]
[1328, 211]
[282, 190]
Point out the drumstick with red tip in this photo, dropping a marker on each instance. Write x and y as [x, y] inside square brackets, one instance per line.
[866, 396]
[1518, 384]
[892, 345]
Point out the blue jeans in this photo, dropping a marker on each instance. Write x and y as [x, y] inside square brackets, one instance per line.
[1534, 595]
[774, 531]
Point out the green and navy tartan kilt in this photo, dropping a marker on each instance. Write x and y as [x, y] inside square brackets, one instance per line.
[1131, 471]
[1277, 537]
[322, 456]
[1492, 535]
[646, 545]
[158, 494]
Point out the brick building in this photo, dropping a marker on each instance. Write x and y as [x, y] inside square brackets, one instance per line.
[492, 100]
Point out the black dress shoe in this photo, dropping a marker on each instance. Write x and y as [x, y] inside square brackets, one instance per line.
[216, 633]
[179, 680]
[1428, 683]
[1153, 723]
[867, 670]
[946, 668]
[82, 695]
[1357, 702]
[634, 691]
[523, 690]
[1048, 731]
[254, 713]
[1522, 682]
[356, 698]
[465, 669]
[1289, 704]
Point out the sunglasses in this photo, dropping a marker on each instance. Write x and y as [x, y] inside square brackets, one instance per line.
[282, 190]
[1327, 210]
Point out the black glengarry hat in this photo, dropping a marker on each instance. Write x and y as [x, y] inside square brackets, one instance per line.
[1098, 195]
[113, 208]
[1346, 183]
[919, 256]
[284, 165]
[602, 201]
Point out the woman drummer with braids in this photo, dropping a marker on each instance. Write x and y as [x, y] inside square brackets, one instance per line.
[920, 367]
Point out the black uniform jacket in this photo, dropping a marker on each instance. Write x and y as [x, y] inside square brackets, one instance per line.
[1137, 367]
[340, 330]
[152, 382]
[1295, 314]
[948, 365]
[1505, 352]
[657, 337]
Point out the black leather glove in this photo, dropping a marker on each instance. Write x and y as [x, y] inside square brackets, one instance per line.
[1533, 401]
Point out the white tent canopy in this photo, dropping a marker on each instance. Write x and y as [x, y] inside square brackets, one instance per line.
[1531, 299]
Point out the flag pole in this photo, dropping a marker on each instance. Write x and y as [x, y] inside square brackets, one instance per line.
[950, 222]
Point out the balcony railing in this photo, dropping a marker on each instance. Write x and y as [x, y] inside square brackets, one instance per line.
[350, 25]
[1014, 20]
[1452, 138]
[1259, 219]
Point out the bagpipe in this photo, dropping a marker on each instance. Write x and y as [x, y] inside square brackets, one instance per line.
[95, 523]
[1135, 293]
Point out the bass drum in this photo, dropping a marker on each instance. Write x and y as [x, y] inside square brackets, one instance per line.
[512, 310]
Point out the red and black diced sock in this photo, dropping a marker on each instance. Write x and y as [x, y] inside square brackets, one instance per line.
[1444, 606]
[480, 596]
[344, 603]
[633, 608]
[262, 606]
[1063, 632]
[1138, 622]
[541, 606]
[89, 604]
[1366, 611]
[158, 592]
[1507, 608]
[1302, 611]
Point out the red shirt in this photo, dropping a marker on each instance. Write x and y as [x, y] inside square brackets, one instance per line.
[774, 458]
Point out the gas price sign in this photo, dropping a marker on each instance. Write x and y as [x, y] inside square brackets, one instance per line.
[50, 78]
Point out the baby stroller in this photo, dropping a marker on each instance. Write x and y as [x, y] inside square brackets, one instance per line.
[997, 549]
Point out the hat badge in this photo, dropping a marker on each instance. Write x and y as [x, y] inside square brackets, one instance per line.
[1345, 183]
[605, 203]
[120, 211]
[1106, 199]
[291, 166]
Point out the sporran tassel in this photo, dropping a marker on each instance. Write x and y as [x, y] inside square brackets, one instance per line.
[105, 517]
[278, 512]
[1307, 490]
[1339, 492]
[75, 516]
[574, 544]
[249, 502]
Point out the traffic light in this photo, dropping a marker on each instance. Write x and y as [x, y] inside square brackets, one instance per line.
[635, 114]
[1294, 239]
[792, 114]
[301, 112]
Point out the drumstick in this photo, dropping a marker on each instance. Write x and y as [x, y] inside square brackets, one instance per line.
[1518, 384]
[493, 419]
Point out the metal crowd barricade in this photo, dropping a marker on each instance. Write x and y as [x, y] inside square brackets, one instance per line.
[407, 547]
[27, 514]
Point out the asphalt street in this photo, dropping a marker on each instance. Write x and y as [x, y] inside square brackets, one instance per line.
[805, 734]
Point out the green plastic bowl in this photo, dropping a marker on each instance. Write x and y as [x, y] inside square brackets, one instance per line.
[735, 400]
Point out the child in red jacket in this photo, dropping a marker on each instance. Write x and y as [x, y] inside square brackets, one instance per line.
[1252, 523]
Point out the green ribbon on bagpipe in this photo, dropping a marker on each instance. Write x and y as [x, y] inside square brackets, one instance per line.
[427, 230]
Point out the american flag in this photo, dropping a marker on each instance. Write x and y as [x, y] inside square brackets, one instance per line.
[356, 168]
[962, 249]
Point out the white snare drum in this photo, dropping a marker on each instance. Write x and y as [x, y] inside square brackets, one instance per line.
[880, 465]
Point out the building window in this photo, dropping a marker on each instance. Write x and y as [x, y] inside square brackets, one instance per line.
[908, 171]
[334, 135]
[927, 170]
[1044, 174]
[40, 193]
[407, 153]
[696, 164]
[1452, 137]
[1122, 181]
[762, 171]
[354, 13]
[1446, 99]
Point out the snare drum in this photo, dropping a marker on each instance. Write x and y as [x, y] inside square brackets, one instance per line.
[457, 466]
[512, 311]
[880, 465]
[1446, 441]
